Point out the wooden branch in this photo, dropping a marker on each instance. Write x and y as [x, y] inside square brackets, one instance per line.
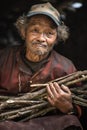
[73, 78]
[17, 103]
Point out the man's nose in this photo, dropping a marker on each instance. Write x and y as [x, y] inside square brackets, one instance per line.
[42, 37]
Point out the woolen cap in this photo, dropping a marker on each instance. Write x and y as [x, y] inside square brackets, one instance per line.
[45, 9]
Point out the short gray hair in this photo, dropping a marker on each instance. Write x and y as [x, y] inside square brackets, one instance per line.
[63, 30]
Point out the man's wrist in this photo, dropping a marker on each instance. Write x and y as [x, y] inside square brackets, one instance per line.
[72, 112]
[75, 111]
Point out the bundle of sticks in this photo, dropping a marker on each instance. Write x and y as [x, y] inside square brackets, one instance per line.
[34, 103]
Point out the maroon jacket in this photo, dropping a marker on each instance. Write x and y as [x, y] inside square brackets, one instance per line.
[16, 76]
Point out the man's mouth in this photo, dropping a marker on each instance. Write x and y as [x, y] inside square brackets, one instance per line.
[40, 44]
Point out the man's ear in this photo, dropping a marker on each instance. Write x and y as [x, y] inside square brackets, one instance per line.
[56, 41]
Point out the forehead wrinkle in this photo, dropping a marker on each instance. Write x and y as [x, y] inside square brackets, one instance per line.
[41, 20]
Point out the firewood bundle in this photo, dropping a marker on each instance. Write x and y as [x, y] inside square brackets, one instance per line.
[34, 103]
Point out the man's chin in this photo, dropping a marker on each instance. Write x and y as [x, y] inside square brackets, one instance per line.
[40, 53]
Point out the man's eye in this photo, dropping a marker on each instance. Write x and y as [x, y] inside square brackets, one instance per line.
[35, 31]
[49, 34]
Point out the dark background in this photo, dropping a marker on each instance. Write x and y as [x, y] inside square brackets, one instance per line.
[75, 48]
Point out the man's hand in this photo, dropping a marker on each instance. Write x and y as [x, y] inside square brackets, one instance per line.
[60, 97]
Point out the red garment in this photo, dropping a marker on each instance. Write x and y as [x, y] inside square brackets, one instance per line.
[15, 73]
[12, 66]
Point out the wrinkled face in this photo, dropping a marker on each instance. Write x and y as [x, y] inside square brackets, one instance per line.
[40, 35]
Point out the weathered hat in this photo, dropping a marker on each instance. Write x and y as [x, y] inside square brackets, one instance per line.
[45, 9]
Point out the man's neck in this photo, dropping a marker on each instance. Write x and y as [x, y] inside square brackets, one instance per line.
[35, 58]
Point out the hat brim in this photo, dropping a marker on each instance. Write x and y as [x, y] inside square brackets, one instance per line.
[47, 14]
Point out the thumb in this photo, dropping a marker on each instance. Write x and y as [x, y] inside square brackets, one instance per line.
[65, 89]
